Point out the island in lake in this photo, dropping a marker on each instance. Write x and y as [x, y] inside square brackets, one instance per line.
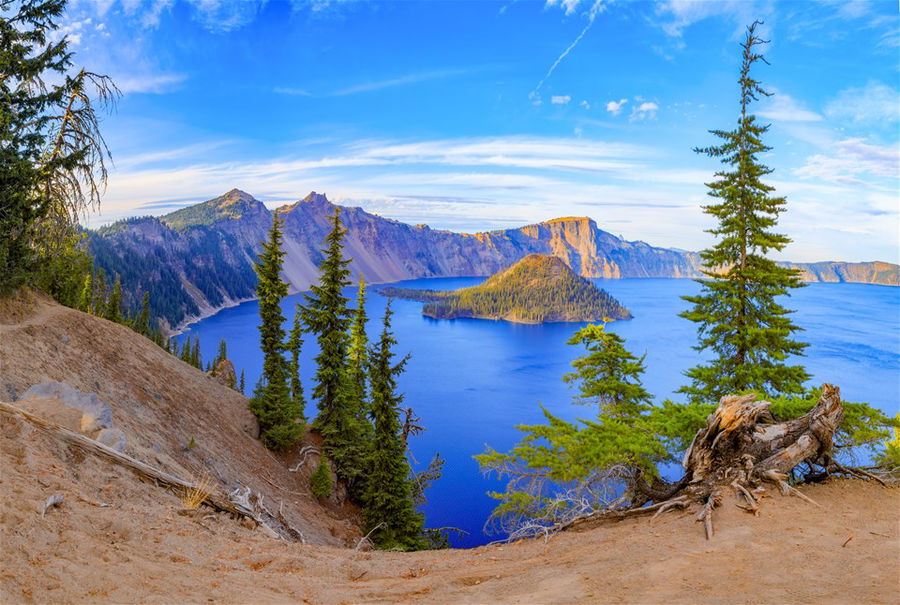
[539, 288]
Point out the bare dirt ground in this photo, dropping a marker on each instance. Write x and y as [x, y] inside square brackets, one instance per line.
[116, 538]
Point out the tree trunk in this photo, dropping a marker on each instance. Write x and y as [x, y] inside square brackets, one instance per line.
[741, 447]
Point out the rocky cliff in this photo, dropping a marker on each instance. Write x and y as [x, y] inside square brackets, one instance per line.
[199, 259]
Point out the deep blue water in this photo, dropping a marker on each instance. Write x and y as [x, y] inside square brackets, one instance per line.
[472, 380]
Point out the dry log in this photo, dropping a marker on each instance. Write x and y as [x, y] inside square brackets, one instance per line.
[143, 470]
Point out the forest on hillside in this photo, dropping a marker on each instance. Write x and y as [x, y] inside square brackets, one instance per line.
[537, 289]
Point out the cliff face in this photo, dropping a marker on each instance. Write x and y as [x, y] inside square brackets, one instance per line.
[199, 259]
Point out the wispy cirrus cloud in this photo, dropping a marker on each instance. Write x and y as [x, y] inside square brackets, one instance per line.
[399, 81]
[381, 84]
[850, 160]
[874, 103]
[674, 16]
[783, 107]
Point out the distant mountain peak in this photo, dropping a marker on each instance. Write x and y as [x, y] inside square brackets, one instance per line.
[236, 194]
[570, 219]
[231, 205]
[315, 198]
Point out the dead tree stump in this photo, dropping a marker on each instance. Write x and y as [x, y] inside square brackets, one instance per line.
[742, 447]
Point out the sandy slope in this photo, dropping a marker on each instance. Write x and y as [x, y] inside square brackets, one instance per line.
[160, 403]
[138, 548]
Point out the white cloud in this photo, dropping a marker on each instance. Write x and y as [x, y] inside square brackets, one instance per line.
[783, 107]
[850, 160]
[874, 103]
[400, 81]
[677, 15]
[560, 99]
[615, 107]
[147, 83]
[585, 104]
[645, 111]
[568, 6]
[285, 90]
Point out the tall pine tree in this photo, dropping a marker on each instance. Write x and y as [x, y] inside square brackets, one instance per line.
[278, 415]
[326, 315]
[114, 304]
[142, 321]
[295, 343]
[357, 359]
[739, 317]
[389, 512]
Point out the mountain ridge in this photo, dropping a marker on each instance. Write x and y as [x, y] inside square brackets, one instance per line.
[199, 259]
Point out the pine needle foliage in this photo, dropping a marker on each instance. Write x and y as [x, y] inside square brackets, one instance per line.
[560, 464]
[320, 482]
[294, 345]
[389, 511]
[738, 315]
[51, 150]
[278, 415]
[326, 315]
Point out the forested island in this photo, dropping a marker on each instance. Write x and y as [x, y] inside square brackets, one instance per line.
[539, 288]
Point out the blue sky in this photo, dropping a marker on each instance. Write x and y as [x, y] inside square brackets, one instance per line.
[480, 115]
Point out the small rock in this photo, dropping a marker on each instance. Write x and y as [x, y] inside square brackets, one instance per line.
[113, 438]
[96, 413]
[248, 523]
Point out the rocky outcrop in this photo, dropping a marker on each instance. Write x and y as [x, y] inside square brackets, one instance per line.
[200, 259]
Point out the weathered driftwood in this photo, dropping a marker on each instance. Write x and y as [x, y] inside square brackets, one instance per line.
[143, 470]
[741, 447]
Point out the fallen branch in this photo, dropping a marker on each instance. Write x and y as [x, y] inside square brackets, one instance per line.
[304, 453]
[857, 472]
[141, 469]
[365, 538]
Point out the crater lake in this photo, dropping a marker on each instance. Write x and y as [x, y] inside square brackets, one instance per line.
[471, 380]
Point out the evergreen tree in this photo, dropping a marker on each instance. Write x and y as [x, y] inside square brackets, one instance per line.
[222, 353]
[609, 375]
[196, 361]
[87, 294]
[739, 317]
[389, 497]
[114, 304]
[242, 387]
[320, 482]
[560, 464]
[186, 350]
[325, 315]
[271, 403]
[101, 289]
[51, 151]
[142, 321]
[357, 353]
[295, 343]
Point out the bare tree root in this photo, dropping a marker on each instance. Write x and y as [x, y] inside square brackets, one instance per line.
[706, 513]
[304, 453]
[854, 471]
[669, 505]
[780, 479]
[752, 503]
[740, 448]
